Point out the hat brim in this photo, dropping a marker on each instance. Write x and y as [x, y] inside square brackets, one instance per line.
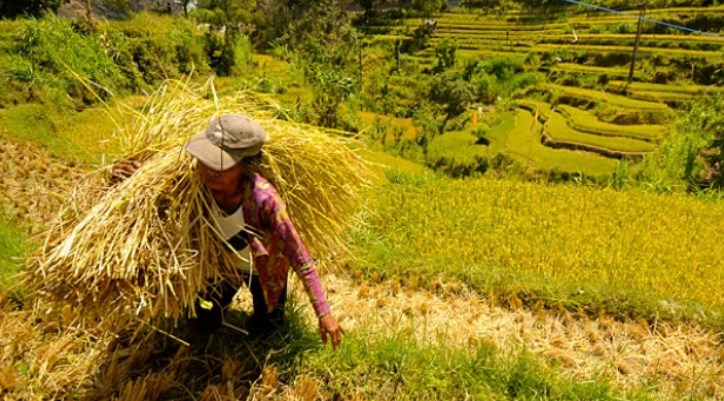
[211, 155]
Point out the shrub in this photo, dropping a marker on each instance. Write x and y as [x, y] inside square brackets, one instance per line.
[163, 47]
[49, 58]
[522, 81]
[56, 53]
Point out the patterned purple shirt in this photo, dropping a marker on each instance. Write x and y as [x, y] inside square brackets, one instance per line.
[276, 245]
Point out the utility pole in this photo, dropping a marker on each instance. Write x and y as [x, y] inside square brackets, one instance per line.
[359, 44]
[642, 15]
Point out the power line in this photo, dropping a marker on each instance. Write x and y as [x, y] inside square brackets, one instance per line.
[653, 21]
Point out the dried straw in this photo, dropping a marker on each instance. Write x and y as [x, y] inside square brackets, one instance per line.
[147, 245]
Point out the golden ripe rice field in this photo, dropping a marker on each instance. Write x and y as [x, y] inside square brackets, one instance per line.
[565, 245]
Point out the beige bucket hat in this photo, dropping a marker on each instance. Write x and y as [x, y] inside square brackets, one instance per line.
[226, 141]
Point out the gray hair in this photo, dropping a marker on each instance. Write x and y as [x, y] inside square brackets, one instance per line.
[253, 161]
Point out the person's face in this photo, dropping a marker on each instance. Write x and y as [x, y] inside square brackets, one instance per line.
[221, 182]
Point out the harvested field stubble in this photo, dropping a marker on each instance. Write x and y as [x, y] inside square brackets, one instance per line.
[34, 185]
[44, 354]
[681, 360]
[164, 248]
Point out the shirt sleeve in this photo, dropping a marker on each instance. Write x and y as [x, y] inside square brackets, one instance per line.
[290, 244]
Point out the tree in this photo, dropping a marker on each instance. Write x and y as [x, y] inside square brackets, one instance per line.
[332, 87]
[451, 92]
[445, 54]
[184, 4]
[369, 6]
[225, 19]
[427, 7]
[32, 8]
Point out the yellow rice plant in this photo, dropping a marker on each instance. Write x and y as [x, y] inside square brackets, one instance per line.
[148, 245]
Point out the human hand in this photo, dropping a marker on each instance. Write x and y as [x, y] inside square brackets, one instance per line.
[328, 326]
[124, 169]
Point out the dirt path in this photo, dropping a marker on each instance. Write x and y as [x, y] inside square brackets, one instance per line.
[670, 359]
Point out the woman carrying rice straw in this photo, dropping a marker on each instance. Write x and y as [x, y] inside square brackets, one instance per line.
[253, 220]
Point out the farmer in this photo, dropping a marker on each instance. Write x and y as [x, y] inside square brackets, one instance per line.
[253, 221]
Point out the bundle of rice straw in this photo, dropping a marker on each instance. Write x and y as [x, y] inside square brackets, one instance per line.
[148, 245]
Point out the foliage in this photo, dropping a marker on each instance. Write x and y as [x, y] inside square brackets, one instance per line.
[369, 6]
[428, 7]
[331, 88]
[445, 54]
[481, 135]
[691, 156]
[53, 53]
[225, 19]
[425, 118]
[50, 57]
[397, 367]
[159, 47]
[451, 92]
[621, 175]
[706, 119]
[322, 22]
[499, 77]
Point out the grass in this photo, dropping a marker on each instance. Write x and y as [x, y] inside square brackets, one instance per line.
[665, 88]
[600, 40]
[616, 252]
[80, 137]
[404, 126]
[608, 98]
[559, 129]
[485, 25]
[653, 13]
[589, 69]
[584, 121]
[399, 368]
[587, 122]
[654, 37]
[33, 122]
[13, 249]
[387, 164]
[712, 55]
[631, 254]
[482, 35]
[666, 97]
[458, 146]
[523, 143]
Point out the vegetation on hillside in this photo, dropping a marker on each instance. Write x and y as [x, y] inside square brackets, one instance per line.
[615, 271]
[443, 71]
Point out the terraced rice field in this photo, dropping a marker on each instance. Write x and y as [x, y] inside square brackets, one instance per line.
[586, 55]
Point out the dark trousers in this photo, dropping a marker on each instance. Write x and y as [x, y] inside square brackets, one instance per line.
[207, 321]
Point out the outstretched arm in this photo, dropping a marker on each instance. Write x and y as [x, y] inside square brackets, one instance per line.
[295, 251]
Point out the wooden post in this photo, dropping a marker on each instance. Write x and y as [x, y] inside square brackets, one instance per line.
[642, 15]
